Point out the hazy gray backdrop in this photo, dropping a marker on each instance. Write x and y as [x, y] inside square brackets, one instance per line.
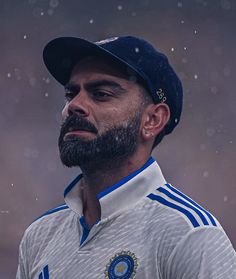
[199, 157]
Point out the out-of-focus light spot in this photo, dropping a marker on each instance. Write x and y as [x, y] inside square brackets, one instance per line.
[195, 31]
[172, 49]
[42, 13]
[12, 184]
[176, 120]
[50, 12]
[53, 3]
[214, 90]
[91, 21]
[225, 198]
[133, 14]
[205, 174]
[46, 94]
[195, 76]
[25, 37]
[47, 80]
[182, 21]
[225, 4]
[4, 211]
[179, 4]
[36, 198]
[136, 49]
[230, 141]
[184, 60]
[119, 7]
[8, 75]
[185, 48]
[210, 131]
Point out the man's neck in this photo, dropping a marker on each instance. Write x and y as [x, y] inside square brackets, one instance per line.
[97, 178]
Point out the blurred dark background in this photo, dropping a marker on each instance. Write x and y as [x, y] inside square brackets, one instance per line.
[198, 157]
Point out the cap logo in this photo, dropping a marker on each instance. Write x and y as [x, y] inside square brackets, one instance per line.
[106, 41]
[161, 95]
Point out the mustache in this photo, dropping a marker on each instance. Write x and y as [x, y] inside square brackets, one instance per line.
[74, 122]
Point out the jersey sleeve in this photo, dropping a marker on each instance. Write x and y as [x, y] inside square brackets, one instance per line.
[203, 253]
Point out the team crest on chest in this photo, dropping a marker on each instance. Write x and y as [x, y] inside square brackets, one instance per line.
[122, 266]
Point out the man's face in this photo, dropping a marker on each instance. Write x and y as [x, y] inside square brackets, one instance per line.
[102, 115]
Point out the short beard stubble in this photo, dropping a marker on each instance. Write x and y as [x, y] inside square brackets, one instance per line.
[109, 148]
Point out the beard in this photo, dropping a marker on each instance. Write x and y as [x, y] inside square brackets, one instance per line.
[111, 147]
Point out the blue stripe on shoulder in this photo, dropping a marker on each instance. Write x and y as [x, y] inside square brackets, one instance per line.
[51, 211]
[193, 202]
[168, 194]
[174, 206]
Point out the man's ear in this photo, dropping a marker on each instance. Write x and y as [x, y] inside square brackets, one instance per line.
[155, 118]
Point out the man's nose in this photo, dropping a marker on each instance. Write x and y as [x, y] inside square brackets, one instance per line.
[79, 105]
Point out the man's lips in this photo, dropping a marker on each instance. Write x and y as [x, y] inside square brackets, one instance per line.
[78, 133]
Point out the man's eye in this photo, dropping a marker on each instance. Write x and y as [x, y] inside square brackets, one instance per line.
[101, 94]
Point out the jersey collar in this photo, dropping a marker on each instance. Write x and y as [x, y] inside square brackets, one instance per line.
[123, 194]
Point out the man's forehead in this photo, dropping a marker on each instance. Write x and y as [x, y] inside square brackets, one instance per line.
[103, 65]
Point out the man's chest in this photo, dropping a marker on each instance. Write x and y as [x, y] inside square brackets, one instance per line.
[117, 250]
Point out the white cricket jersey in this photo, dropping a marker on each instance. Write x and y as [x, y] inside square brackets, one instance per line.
[148, 230]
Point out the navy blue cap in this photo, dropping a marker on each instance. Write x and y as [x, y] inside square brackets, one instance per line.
[151, 66]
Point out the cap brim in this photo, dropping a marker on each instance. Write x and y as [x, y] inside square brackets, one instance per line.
[62, 54]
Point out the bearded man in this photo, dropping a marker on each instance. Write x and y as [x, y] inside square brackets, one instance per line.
[121, 219]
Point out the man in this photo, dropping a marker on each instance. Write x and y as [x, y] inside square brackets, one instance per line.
[121, 219]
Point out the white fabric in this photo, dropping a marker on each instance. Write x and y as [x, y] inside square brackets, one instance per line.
[166, 242]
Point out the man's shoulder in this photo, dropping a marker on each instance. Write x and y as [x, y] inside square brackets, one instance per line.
[174, 208]
[50, 221]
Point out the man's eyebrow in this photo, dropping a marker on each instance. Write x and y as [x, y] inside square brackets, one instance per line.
[71, 86]
[104, 83]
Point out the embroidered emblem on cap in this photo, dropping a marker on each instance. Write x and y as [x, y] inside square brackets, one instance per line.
[106, 41]
[161, 95]
[123, 265]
